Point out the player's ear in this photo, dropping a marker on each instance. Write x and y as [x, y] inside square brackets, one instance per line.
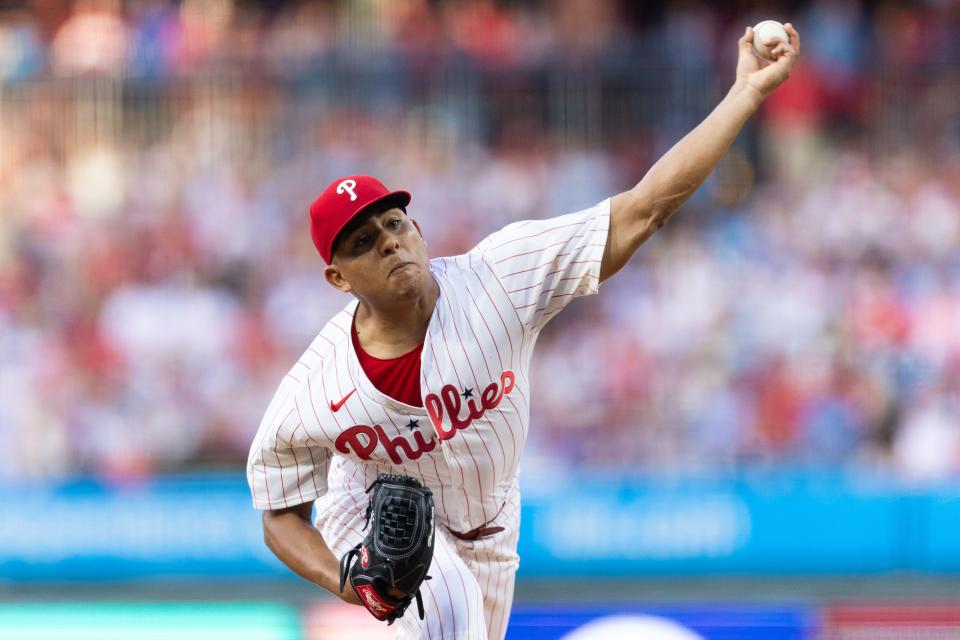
[335, 277]
[419, 230]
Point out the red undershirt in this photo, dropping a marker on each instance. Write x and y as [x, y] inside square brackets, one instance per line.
[398, 377]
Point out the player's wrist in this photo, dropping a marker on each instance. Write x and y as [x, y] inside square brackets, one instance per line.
[348, 595]
[744, 92]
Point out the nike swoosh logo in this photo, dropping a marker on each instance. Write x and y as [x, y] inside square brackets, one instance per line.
[335, 406]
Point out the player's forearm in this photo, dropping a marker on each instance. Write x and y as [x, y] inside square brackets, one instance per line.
[681, 171]
[298, 544]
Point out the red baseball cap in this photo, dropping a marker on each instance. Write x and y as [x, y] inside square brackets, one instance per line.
[341, 201]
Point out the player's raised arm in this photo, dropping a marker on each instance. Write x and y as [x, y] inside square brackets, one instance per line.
[635, 215]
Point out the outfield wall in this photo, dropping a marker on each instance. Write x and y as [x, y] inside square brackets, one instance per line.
[203, 527]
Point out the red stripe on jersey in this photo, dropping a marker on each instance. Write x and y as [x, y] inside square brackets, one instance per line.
[296, 463]
[463, 476]
[313, 459]
[534, 235]
[433, 459]
[259, 448]
[525, 331]
[326, 396]
[453, 609]
[539, 266]
[537, 250]
[313, 406]
[466, 443]
[556, 271]
[476, 379]
[506, 329]
[437, 605]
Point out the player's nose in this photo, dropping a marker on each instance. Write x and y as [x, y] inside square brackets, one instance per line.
[388, 244]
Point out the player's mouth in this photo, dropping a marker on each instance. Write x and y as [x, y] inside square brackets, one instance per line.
[398, 267]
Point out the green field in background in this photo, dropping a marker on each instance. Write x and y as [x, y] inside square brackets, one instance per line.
[161, 621]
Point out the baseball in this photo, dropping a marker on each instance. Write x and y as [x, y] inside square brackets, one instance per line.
[766, 32]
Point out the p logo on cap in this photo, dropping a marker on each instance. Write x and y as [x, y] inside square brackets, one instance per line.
[347, 187]
[343, 200]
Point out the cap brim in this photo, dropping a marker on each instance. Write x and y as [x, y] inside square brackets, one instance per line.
[396, 198]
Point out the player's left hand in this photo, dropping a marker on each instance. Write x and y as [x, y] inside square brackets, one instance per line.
[766, 75]
[387, 567]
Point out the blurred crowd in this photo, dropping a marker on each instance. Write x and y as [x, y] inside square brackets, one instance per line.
[157, 277]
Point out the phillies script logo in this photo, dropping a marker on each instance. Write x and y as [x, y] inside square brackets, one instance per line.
[363, 439]
[374, 603]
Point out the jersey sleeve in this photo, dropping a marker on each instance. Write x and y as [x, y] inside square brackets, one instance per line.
[544, 264]
[284, 467]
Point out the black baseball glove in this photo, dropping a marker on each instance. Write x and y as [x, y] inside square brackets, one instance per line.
[396, 554]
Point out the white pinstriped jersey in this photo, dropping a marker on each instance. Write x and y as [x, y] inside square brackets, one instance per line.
[329, 427]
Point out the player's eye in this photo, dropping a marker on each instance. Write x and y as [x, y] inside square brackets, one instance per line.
[394, 223]
[360, 240]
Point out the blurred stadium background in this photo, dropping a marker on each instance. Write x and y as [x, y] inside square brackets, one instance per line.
[754, 429]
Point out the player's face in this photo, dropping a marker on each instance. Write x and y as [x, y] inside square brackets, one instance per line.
[380, 256]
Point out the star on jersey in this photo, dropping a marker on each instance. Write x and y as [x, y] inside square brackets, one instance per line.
[413, 424]
[467, 392]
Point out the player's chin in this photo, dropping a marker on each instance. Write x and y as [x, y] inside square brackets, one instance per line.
[406, 282]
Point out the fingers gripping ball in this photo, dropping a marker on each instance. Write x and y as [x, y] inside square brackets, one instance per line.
[396, 554]
[766, 35]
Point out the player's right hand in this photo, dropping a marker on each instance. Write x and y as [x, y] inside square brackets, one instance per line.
[765, 75]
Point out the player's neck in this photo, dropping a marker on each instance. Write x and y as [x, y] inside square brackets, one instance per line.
[390, 330]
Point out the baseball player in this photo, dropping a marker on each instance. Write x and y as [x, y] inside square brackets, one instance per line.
[425, 372]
